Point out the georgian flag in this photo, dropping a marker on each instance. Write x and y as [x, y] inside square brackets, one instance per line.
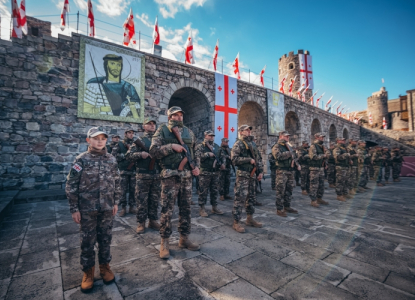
[235, 66]
[17, 28]
[299, 93]
[226, 108]
[215, 55]
[303, 93]
[129, 30]
[328, 102]
[64, 14]
[23, 20]
[385, 126]
[290, 87]
[189, 59]
[282, 84]
[261, 75]
[156, 34]
[306, 70]
[318, 99]
[91, 19]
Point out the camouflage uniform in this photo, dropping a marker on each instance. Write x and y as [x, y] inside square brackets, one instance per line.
[92, 188]
[304, 160]
[396, 163]
[225, 175]
[273, 168]
[353, 175]
[175, 184]
[127, 172]
[110, 146]
[331, 167]
[341, 157]
[378, 161]
[317, 156]
[387, 164]
[148, 182]
[364, 162]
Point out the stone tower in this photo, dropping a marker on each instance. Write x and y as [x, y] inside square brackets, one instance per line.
[290, 64]
[377, 104]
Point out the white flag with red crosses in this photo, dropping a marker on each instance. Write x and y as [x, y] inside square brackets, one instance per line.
[306, 70]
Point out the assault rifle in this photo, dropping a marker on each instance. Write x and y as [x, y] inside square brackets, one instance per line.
[187, 159]
[294, 161]
[253, 172]
[217, 161]
[141, 145]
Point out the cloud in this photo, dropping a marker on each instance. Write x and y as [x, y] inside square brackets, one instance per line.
[5, 19]
[112, 8]
[81, 4]
[169, 8]
[144, 18]
[212, 31]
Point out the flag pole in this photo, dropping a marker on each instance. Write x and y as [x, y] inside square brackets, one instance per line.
[77, 21]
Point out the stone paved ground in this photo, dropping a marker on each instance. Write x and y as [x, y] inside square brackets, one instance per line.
[364, 248]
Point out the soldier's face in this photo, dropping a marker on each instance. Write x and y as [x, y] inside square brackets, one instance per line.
[225, 143]
[129, 134]
[285, 138]
[97, 142]
[177, 116]
[150, 127]
[114, 67]
[321, 139]
[210, 138]
[246, 132]
[116, 139]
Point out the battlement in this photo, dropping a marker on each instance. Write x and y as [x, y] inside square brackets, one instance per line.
[292, 54]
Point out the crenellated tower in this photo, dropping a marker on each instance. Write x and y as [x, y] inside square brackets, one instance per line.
[377, 104]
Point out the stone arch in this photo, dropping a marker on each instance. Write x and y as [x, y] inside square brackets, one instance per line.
[332, 133]
[315, 127]
[293, 126]
[346, 133]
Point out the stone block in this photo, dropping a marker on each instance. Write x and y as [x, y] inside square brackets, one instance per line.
[240, 289]
[225, 250]
[34, 126]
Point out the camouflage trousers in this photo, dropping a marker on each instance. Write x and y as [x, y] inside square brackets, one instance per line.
[316, 183]
[371, 171]
[273, 178]
[396, 170]
[305, 178]
[172, 188]
[331, 173]
[353, 178]
[297, 175]
[285, 185]
[127, 184]
[364, 175]
[342, 175]
[147, 195]
[224, 182]
[387, 172]
[208, 184]
[378, 173]
[96, 226]
[244, 195]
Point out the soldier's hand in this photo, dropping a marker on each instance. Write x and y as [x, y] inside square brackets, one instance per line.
[144, 155]
[196, 171]
[299, 168]
[178, 148]
[260, 176]
[115, 209]
[76, 216]
[211, 154]
[252, 162]
[222, 167]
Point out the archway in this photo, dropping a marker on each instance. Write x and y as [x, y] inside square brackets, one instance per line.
[292, 125]
[315, 128]
[346, 133]
[196, 109]
[332, 133]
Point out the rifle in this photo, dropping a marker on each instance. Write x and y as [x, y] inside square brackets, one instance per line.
[187, 159]
[294, 161]
[141, 145]
[217, 161]
[324, 165]
[253, 172]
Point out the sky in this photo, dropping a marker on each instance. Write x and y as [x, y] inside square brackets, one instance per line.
[354, 44]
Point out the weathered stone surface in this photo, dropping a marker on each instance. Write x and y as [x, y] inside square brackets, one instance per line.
[225, 250]
[240, 289]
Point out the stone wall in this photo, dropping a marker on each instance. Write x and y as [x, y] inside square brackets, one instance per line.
[391, 138]
[377, 104]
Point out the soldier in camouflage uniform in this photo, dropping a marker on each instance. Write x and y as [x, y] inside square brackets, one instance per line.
[304, 160]
[397, 160]
[285, 175]
[244, 158]
[342, 158]
[353, 175]
[148, 182]
[114, 140]
[93, 191]
[209, 172]
[317, 154]
[176, 185]
[273, 169]
[331, 166]
[387, 164]
[378, 160]
[363, 169]
[225, 175]
[127, 173]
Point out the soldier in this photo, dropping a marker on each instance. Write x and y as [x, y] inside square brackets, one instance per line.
[387, 164]
[284, 157]
[364, 158]
[114, 140]
[93, 191]
[317, 155]
[207, 152]
[396, 163]
[378, 160]
[304, 160]
[273, 169]
[244, 158]
[342, 159]
[225, 175]
[127, 173]
[175, 184]
[353, 175]
[331, 166]
[148, 182]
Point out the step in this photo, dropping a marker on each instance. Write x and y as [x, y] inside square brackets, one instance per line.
[6, 202]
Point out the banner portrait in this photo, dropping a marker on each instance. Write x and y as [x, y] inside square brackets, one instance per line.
[275, 112]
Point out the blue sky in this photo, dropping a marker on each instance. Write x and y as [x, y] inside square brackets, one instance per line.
[354, 44]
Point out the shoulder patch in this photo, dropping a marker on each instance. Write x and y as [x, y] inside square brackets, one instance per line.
[77, 167]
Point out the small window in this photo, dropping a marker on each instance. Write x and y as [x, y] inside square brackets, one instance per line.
[35, 31]
[373, 102]
[291, 66]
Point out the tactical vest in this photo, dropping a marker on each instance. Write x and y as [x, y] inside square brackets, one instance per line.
[143, 165]
[355, 160]
[271, 160]
[331, 158]
[304, 161]
[283, 164]
[123, 165]
[342, 163]
[366, 161]
[207, 164]
[245, 153]
[226, 151]
[378, 161]
[172, 161]
[317, 163]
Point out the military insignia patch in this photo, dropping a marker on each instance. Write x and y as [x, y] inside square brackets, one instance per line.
[77, 167]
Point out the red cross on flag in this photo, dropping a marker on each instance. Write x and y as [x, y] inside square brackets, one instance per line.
[261, 75]
[188, 46]
[17, 28]
[156, 34]
[385, 126]
[226, 109]
[306, 70]
[129, 30]
[64, 14]
[215, 55]
[290, 87]
[235, 66]
[91, 19]
[23, 21]
[282, 84]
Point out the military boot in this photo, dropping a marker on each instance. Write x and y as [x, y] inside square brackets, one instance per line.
[348, 196]
[321, 201]
[227, 197]
[164, 248]
[332, 185]
[153, 224]
[202, 211]
[314, 203]
[238, 227]
[341, 198]
[251, 222]
[396, 180]
[122, 212]
[222, 198]
[216, 210]
[304, 192]
[88, 280]
[291, 210]
[361, 189]
[140, 228]
[380, 184]
[184, 242]
[281, 213]
[106, 273]
[133, 210]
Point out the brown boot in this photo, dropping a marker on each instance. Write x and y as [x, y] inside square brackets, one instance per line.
[379, 184]
[216, 210]
[88, 280]
[122, 212]
[348, 196]
[332, 185]
[304, 192]
[141, 228]
[361, 189]
[281, 213]
[106, 273]
[227, 197]
[314, 204]
[222, 198]
[238, 227]
[291, 210]
[322, 202]
[184, 242]
[352, 192]
[132, 210]
[202, 211]
[153, 224]
[251, 222]
[396, 180]
[164, 248]
[341, 198]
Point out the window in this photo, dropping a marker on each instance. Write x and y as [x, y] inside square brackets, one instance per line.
[35, 31]
[291, 66]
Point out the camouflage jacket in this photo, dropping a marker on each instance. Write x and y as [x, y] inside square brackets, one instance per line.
[93, 182]
[341, 156]
[378, 159]
[120, 157]
[201, 153]
[330, 156]
[110, 146]
[281, 155]
[239, 159]
[303, 156]
[388, 160]
[271, 161]
[315, 157]
[397, 157]
[363, 156]
[226, 153]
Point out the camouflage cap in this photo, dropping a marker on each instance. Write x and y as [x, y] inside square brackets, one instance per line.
[284, 133]
[115, 135]
[95, 131]
[340, 139]
[128, 130]
[225, 140]
[319, 135]
[174, 109]
[244, 127]
[332, 144]
[148, 120]
[305, 142]
[209, 132]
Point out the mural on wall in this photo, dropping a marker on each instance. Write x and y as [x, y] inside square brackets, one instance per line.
[111, 82]
[275, 112]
